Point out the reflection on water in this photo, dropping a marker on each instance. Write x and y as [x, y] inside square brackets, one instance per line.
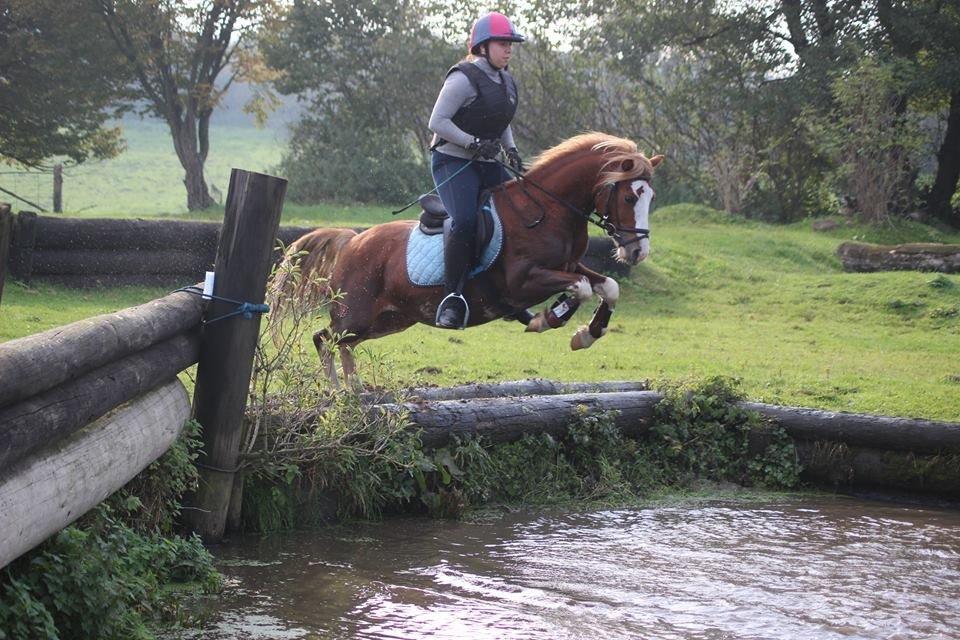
[804, 568]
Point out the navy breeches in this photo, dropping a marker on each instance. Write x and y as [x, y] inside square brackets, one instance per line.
[460, 196]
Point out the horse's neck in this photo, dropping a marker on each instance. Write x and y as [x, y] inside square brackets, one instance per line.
[574, 180]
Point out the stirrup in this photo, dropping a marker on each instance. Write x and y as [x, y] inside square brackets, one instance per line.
[456, 297]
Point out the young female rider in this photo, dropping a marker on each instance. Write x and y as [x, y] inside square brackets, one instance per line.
[471, 125]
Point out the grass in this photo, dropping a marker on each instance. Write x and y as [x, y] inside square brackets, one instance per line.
[769, 305]
[147, 178]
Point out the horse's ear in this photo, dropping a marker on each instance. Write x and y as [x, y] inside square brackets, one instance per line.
[657, 159]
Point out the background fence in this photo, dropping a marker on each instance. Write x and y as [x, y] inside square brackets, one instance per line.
[114, 252]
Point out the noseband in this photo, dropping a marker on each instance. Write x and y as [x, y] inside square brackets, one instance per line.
[615, 231]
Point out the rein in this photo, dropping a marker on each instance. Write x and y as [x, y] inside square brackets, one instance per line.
[603, 219]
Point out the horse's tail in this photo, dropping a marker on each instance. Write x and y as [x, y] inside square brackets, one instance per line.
[302, 278]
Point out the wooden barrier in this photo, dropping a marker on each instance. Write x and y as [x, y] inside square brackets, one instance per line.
[39, 420]
[244, 257]
[859, 256]
[49, 490]
[34, 364]
[838, 450]
[83, 253]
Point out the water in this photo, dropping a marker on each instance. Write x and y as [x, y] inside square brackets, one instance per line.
[801, 568]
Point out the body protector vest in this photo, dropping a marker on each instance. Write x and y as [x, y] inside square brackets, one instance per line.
[490, 114]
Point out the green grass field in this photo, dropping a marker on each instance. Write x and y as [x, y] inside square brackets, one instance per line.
[147, 178]
[766, 304]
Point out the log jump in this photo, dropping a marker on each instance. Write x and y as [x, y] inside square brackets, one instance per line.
[838, 450]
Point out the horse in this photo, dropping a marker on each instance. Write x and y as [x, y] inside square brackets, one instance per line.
[589, 175]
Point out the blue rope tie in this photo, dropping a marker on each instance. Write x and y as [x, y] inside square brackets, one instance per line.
[246, 309]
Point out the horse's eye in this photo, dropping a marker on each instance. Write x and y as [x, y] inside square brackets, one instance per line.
[631, 199]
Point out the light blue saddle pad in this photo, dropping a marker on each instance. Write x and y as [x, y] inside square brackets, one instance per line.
[425, 254]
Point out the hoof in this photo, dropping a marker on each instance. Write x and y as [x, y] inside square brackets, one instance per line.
[581, 339]
[538, 324]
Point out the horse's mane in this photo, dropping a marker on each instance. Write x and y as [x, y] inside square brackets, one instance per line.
[614, 149]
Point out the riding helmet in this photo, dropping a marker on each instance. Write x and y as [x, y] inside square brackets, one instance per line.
[493, 26]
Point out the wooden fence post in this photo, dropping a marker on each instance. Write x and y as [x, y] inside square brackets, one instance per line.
[21, 249]
[244, 257]
[58, 188]
[6, 230]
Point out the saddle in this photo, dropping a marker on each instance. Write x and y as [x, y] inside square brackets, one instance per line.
[434, 220]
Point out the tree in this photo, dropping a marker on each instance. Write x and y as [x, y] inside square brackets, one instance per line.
[370, 70]
[177, 52]
[59, 79]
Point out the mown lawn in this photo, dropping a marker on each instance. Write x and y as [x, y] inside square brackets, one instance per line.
[769, 305]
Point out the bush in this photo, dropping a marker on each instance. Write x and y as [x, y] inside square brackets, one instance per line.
[341, 161]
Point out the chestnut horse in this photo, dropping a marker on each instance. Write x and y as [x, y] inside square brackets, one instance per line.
[544, 217]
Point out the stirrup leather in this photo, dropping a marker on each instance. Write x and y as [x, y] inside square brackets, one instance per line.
[453, 298]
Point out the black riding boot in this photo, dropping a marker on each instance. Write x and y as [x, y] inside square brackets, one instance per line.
[453, 312]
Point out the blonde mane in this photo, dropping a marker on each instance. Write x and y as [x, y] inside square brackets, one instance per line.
[615, 150]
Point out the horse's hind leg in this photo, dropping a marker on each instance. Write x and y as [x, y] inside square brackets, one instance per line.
[322, 340]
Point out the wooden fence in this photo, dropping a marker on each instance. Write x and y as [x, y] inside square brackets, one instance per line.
[85, 253]
[85, 407]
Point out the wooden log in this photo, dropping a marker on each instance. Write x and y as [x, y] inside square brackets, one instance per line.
[54, 414]
[508, 419]
[21, 251]
[529, 387]
[862, 430]
[858, 256]
[36, 363]
[120, 261]
[107, 280]
[55, 486]
[103, 234]
[6, 236]
[244, 257]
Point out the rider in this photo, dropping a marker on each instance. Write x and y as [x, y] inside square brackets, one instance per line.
[471, 125]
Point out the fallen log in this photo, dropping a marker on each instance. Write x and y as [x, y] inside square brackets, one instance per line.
[863, 430]
[42, 419]
[36, 363]
[838, 450]
[862, 257]
[508, 419]
[54, 487]
[529, 387]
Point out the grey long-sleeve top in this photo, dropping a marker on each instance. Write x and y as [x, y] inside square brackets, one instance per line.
[457, 91]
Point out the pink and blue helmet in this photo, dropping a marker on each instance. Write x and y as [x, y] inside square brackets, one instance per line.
[493, 26]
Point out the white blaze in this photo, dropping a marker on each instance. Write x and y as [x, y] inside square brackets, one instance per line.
[641, 212]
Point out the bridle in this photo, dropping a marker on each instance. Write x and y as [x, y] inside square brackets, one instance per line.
[595, 217]
[615, 230]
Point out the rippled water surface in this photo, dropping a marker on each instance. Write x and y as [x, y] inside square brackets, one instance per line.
[803, 568]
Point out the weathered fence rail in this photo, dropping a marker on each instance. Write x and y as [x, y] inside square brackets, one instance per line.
[58, 388]
[83, 253]
[49, 491]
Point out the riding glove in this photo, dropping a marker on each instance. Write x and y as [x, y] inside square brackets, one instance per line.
[513, 159]
[486, 149]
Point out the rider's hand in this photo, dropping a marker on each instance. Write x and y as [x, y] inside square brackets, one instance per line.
[486, 149]
[513, 159]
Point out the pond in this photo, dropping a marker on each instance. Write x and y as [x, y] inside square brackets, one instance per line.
[797, 567]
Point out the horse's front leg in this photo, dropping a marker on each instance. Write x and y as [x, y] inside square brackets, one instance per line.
[577, 288]
[609, 292]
